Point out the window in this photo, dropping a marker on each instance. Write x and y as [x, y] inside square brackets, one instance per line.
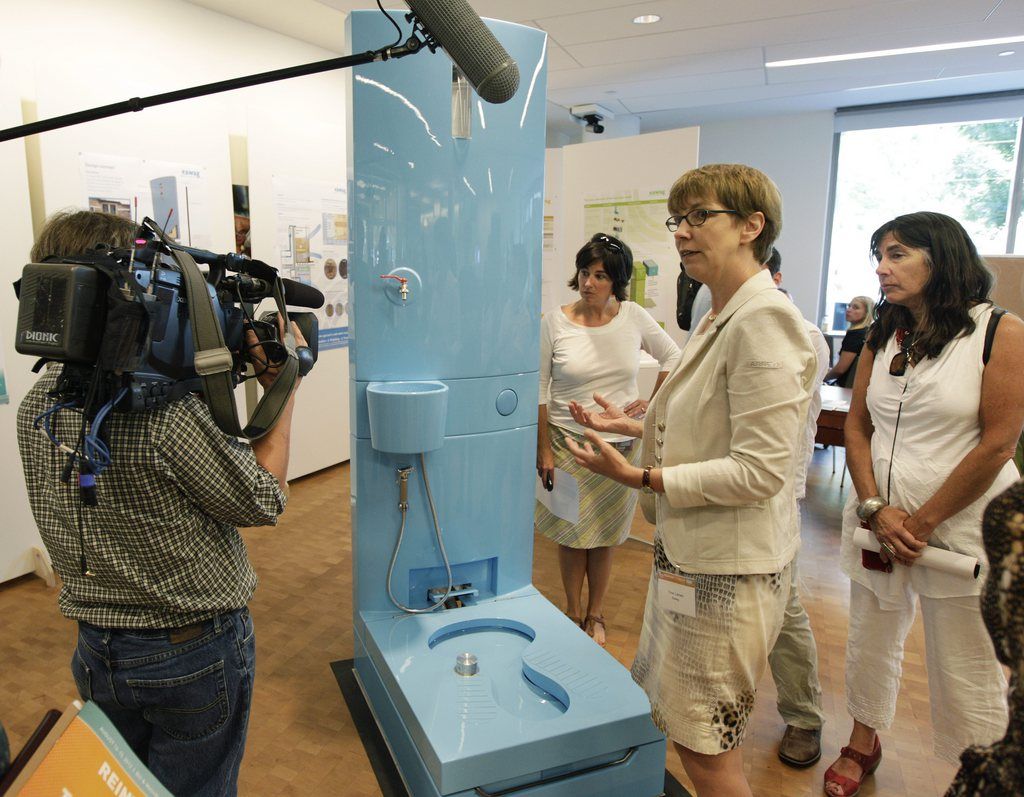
[965, 170]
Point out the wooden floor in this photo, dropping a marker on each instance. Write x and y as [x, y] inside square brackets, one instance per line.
[301, 741]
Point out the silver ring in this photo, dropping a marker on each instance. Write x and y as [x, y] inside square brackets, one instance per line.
[888, 548]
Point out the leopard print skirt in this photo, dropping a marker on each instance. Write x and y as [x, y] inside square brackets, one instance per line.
[701, 672]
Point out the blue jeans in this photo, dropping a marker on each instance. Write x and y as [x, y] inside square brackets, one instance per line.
[180, 698]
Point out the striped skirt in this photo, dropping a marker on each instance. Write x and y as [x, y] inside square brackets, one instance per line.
[606, 507]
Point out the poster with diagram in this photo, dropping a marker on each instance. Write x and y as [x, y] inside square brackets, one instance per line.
[311, 246]
[174, 195]
[637, 217]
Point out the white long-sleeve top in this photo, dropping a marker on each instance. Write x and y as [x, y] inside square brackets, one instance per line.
[578, 361]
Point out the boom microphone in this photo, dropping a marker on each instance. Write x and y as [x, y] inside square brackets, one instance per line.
[471, 46]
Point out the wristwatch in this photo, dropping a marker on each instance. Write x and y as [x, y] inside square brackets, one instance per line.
[868, 507]
[645, 482]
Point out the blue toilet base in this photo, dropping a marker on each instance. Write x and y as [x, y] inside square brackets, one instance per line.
[570, 763]
[642, 775]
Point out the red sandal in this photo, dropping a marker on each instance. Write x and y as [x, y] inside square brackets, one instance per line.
[846, 786]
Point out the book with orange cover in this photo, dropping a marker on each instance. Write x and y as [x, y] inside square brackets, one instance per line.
[85, 756]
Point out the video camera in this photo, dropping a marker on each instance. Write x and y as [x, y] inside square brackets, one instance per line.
[142, 327]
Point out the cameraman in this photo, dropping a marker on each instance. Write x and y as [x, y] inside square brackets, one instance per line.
[156, 573]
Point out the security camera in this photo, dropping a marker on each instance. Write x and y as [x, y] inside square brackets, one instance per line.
[591, 115]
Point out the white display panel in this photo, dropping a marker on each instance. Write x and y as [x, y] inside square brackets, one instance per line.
[283, 154]
[640, 164]
[18, 533]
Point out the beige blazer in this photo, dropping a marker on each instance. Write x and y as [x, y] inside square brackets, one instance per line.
[725, 430]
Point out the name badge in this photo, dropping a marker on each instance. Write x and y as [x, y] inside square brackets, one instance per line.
[677, 594]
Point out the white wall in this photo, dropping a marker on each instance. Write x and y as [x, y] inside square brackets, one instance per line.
[18, 532]
[645, 162]
[554, 263]
[62, 56]
[796, 152]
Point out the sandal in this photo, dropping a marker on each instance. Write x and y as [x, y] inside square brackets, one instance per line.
[592, 620]
[847, 786]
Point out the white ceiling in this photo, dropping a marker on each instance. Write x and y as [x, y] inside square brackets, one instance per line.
[704, 61]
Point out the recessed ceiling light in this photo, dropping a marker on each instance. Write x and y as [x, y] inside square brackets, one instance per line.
[1005, 53]
[646, 19]
[926, 48]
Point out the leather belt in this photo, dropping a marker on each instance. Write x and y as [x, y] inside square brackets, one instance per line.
[186, 633]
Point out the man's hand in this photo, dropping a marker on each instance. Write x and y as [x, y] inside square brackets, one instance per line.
[266, 373]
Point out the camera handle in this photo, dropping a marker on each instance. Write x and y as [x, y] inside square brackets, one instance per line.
[214, 362]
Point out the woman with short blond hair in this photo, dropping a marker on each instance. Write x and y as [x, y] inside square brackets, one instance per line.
[717, 474]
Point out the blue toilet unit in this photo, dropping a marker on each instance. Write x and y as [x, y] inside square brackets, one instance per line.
[444, 377]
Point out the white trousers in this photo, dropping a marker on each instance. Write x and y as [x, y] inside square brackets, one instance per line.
[966, 685]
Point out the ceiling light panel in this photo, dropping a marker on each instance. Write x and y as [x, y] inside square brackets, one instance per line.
[630, 93]
[609, 24]
[859, 72]
[671, 73]
[893, 37]
[788, 37]
[740, 94]
[897, 51]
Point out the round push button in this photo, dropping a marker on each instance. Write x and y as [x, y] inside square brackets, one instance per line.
[507, 402]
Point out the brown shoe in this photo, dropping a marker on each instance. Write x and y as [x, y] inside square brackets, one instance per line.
[800, 747]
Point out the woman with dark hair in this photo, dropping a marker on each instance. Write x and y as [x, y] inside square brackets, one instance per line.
[593, 346]
[934, 420]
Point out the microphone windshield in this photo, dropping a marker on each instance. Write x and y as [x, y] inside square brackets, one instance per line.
[300, 294]
[471, 46]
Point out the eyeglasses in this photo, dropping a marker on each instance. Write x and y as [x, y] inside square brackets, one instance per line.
[608, 241]
[904, 358]
[695, 218]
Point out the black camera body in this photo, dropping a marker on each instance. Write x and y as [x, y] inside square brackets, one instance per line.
[123, 316]
[64, 315]
[61, 307]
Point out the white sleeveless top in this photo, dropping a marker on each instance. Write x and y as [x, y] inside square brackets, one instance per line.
[925, 423]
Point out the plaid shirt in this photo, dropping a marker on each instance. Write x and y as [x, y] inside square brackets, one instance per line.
[161, 542]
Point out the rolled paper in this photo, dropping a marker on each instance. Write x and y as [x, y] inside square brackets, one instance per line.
[957, 564]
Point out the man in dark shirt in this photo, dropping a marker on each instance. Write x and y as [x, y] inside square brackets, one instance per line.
[156, 573]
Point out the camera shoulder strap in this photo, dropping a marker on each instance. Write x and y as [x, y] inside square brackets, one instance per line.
[214, 361]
